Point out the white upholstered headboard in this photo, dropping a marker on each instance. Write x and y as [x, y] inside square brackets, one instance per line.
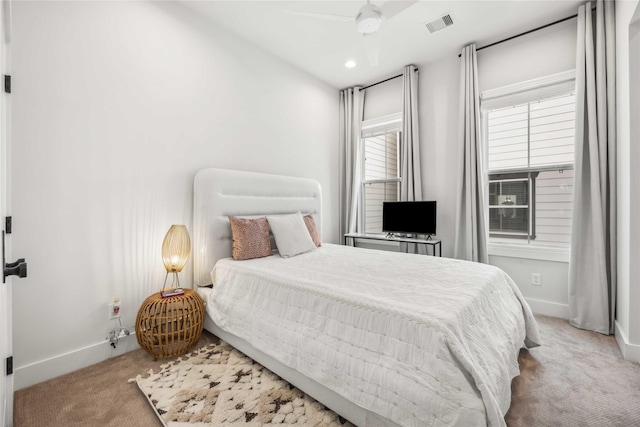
[219, 193]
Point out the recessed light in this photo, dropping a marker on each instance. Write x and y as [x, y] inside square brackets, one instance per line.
[350, 63]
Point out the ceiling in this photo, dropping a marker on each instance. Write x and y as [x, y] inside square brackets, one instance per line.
[321, 46]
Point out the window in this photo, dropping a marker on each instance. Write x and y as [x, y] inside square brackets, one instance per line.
[381, 168]
[530, 133]
[509, 209]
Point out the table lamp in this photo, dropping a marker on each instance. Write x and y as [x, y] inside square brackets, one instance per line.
[176, 247]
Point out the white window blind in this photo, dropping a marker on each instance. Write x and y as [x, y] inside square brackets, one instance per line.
[390, 123]
[499, 99]
[532, 90]
[535, 134]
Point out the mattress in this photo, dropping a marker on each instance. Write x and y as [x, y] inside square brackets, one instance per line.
[418, 340]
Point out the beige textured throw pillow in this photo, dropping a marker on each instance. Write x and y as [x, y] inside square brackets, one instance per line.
[313, 230]
[250, 238]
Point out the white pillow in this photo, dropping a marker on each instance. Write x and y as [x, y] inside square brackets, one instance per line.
[291, 234]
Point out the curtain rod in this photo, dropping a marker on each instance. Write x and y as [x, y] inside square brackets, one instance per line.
[525, 33]
[383, 81]
[489, 45]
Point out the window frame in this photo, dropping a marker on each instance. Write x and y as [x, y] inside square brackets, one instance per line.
[530, 177]
[542, 88]
[371, 128]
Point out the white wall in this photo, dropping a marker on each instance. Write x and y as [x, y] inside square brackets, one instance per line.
[542, 53]
[439, 99]
[383, 99]
[116, 106]
[628, 107]
[539, 54]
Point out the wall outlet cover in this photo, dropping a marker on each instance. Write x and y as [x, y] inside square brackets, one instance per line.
[535, 279]
[113, 313]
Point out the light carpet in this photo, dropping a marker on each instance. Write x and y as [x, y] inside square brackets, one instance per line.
[218, 385]
[575, 379]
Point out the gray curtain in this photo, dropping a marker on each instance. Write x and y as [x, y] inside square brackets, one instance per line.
[411, 182]
[411, 187]
[592, 271]
[470, 226]
[351, 109]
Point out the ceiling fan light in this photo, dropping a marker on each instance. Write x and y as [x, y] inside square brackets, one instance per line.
[369, 19]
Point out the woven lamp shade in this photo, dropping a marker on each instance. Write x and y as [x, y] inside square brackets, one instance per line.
[167, 327]
[176, 248]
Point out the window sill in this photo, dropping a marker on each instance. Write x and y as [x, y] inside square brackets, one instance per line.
[542, 253]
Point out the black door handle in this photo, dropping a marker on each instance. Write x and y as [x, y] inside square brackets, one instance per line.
[15, 263]
[18, 268]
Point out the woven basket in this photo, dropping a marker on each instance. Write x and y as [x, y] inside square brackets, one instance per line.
[167, 327]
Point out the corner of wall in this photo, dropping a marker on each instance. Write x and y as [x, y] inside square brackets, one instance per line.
[630, 352]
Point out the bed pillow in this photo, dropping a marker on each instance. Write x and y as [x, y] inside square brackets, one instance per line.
[313, 230]
[250, 238]
[291, 234]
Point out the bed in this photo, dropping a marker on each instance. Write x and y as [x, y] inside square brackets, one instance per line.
[381, 338]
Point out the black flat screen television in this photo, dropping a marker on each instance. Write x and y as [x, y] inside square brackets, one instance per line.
[409, 217]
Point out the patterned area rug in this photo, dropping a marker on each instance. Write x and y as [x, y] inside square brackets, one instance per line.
[219, 386]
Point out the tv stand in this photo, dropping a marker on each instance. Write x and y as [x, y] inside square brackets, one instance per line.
[396, 235]
[435, 244]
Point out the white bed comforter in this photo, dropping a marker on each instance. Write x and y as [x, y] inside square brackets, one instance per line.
[420, 340]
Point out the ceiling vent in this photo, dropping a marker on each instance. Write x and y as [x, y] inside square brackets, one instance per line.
[441, 22]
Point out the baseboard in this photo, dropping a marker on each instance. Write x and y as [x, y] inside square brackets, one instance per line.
[629, 351]
[46, 369]
[548, 308]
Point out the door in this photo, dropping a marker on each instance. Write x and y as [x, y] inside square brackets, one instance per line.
[6, 377]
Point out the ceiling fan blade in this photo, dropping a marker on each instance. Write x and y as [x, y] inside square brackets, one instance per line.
[393, 7]
[371, 49]
[373, 57]
[328, 16]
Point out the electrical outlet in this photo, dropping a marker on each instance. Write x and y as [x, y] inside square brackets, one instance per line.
[114, 311]
[535, 279]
